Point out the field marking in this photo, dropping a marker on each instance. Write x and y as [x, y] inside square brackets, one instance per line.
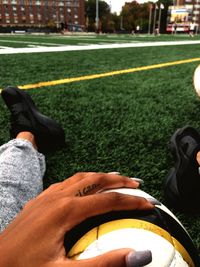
[93, 47]
[4, 47]
[107, 74]
[27, 42]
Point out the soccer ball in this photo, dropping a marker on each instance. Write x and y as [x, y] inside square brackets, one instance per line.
[196, 80]
[156, 230]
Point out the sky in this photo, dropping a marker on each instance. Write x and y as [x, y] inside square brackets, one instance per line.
[116, 5]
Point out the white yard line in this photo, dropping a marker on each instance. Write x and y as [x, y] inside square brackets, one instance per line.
[27, 42]
[93, 47]
[74, 36]
[97, 38]
[83, 44]
[4, 47]
[35, 46]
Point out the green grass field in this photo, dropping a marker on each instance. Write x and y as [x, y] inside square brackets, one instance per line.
[52, 40]
[119, 123]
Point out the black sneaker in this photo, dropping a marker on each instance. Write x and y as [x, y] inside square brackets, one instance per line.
[182, 184]
[25, 116]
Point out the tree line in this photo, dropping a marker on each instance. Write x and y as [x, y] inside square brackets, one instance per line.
[132, 15]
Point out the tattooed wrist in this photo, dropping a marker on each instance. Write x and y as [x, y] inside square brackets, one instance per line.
[86, 190]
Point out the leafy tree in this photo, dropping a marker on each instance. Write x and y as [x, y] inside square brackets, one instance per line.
[116, 19]
[90, 13]
[134, 14]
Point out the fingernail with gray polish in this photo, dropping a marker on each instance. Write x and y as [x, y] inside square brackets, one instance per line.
[138, 258]
[137, 180]
[154, 201]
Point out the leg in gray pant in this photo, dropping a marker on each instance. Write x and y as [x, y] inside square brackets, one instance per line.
[22, 167]
[21, 171]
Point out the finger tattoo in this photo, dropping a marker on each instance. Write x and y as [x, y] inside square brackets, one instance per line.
[86, 190]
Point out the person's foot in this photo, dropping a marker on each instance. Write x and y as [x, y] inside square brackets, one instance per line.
[25, 116]
[182, 184]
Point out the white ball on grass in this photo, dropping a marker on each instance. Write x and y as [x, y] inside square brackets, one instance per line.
[196, 80]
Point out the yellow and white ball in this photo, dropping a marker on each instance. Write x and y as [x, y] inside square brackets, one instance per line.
[136, 234]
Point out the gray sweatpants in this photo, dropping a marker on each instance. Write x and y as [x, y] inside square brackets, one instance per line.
[21, 171]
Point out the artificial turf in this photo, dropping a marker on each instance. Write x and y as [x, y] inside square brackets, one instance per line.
[24, 40]
[121, 123]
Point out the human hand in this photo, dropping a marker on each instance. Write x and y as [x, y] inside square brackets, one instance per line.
[35, 238]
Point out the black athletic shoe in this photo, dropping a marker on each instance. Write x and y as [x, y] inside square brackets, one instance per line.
[182, 184]
[25, 116]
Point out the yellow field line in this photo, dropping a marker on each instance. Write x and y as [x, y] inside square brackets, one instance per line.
[107, 74]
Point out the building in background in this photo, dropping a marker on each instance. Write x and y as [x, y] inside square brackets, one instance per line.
[52, 14]
[183, 15]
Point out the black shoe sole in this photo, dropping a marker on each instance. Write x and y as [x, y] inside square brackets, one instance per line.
[171, 191]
